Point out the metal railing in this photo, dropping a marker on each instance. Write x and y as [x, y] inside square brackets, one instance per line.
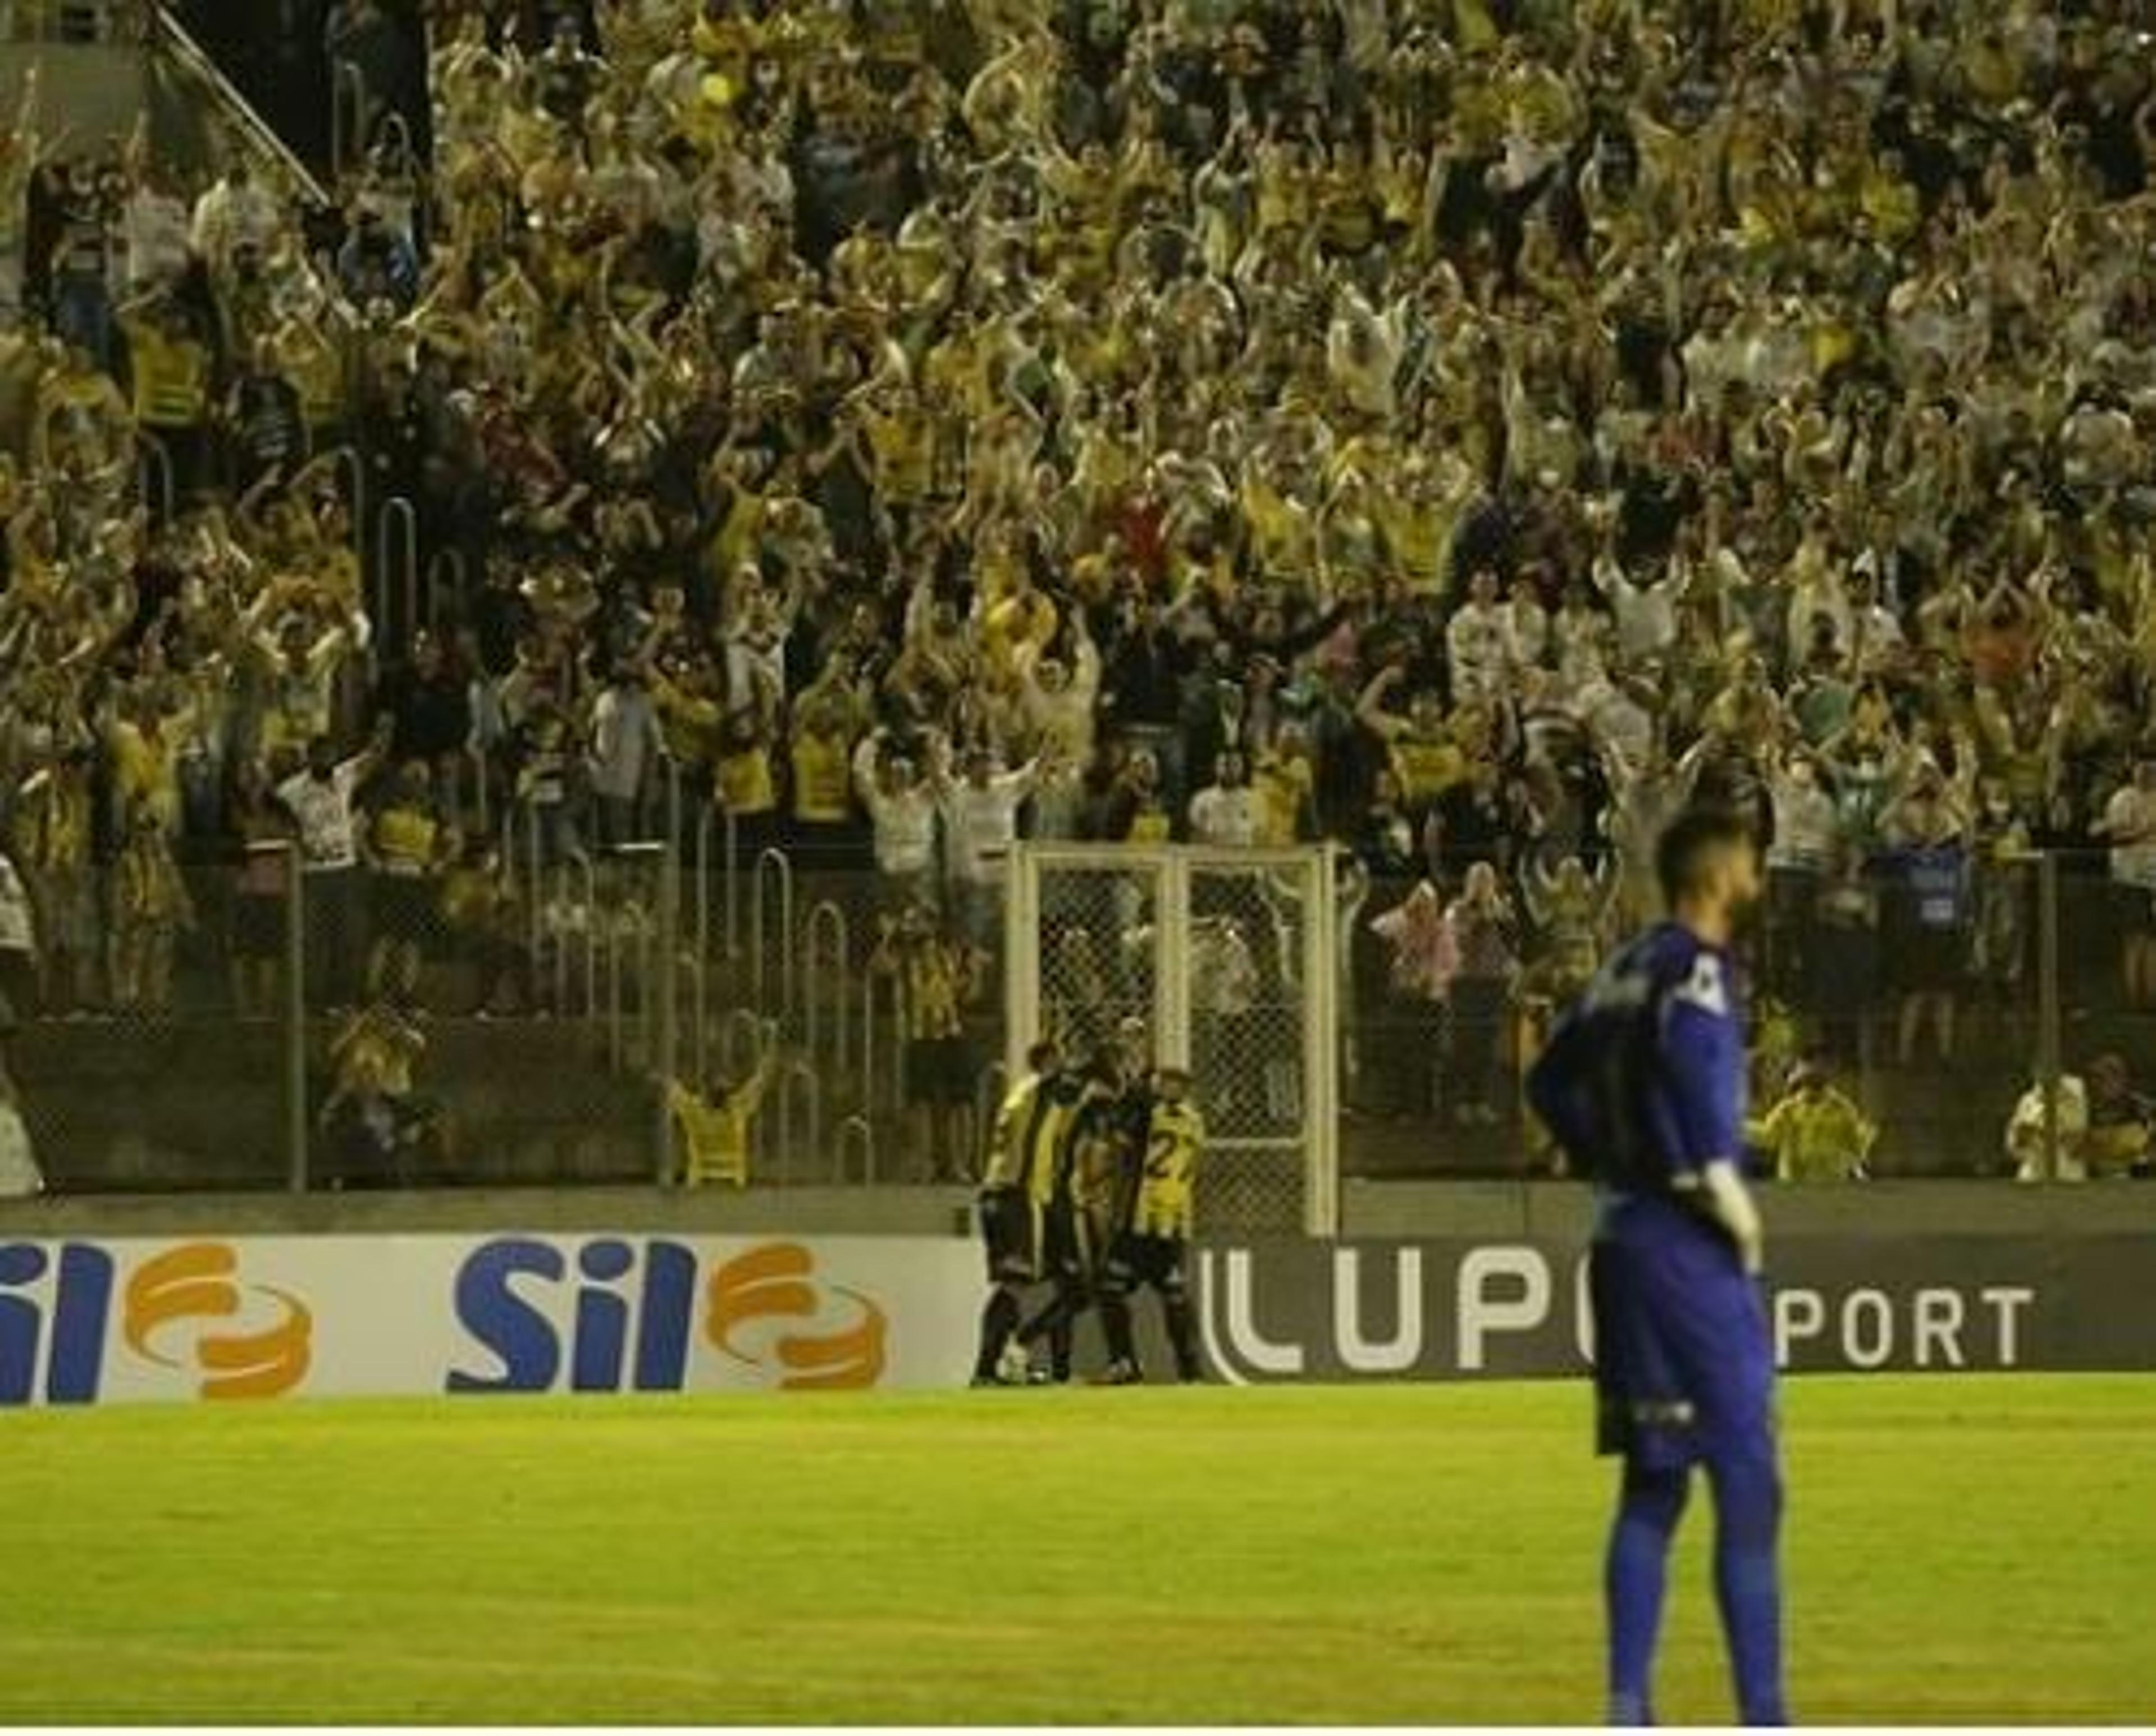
[734, 1061]
[255, 135]
[798, 1088]
[350, 469]
[397, 534]
[348, 116]
[779, 868]
[448, 576]
[153, 460]
[2024, 1039]
[827, 918]
[576, 882]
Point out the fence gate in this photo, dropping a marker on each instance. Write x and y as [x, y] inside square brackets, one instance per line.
[1224, 961]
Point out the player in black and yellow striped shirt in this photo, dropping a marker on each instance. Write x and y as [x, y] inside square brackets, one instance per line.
[1152, 1241]
[1029, 1162]
[1091, 1198]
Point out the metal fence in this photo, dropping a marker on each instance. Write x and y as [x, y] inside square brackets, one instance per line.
[513, 1010]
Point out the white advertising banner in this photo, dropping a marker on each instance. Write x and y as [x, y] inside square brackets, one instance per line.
[98, 1321]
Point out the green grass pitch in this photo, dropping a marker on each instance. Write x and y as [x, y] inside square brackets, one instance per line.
[1959, 1549]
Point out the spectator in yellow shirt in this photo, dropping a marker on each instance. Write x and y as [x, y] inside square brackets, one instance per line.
[716, 1129]
[1815, 1133]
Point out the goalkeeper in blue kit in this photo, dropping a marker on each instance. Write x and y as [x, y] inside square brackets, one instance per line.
[1643, 1084]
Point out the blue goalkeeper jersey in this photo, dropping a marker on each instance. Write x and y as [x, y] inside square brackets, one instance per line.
[1643, 1080]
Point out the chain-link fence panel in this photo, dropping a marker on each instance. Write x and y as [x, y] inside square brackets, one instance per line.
[150, 1033]
[1247, 1024]
[1099, 942]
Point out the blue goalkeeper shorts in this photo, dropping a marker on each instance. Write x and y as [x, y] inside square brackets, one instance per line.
[1684, 1359]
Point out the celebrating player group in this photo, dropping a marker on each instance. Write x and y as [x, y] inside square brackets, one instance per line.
[1090, 1185]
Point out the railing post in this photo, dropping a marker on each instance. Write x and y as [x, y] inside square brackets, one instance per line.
[397, 535]
[2049, 1045]
[562, 943]
[591, 915]
[351, 470]
[294, 1036]
[827, 917]
[667, 948]
[703, 934]
[868, 1042]
[347, 84]
[453, 561]
[798, 1072]
[614, 991]
[730, 1060]
[732, 842]
[759, 963]
[535, 902]
[155, 465]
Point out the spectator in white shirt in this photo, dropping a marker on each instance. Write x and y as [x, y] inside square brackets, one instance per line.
[1478, 642]
[320, 799]
[1529, 620]
[1058, 698]
[1647, 614]
[1877, 639]
[156, 225]
[2129, 824]
[19, 1175]
[901, 810]
[1225, 815]
[18, 943]
[626, 741]
[981, 809]
[236, 213]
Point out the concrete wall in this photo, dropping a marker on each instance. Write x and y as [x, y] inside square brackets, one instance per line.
[766, 1211]
[1377, 1210]
[1505, 1209]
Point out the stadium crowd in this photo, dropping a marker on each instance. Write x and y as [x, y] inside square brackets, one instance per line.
[1464, 430]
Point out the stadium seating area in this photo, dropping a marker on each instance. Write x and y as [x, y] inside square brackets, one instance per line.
[1462, 429]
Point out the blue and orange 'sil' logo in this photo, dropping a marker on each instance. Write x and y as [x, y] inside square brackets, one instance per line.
[249, 1341]
[622, 1316]
[197, 1284]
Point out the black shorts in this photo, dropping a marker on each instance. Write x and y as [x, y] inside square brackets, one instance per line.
[939, 1073]
[1153, 1261]
[1932, 959]
[1014, 1236]
[1076, 1239]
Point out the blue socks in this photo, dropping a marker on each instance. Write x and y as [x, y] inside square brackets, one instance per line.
[1634, 1577]
[1746, 1581]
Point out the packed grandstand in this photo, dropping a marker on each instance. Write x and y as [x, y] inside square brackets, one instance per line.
[1460, 431]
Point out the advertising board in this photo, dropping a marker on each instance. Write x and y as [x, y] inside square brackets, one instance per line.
[86, 1321]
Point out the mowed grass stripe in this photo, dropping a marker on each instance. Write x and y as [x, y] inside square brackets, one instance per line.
[1958, 1549]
